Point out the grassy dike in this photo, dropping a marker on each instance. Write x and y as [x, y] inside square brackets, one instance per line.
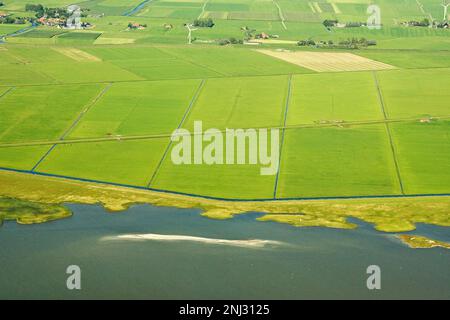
[387, 215]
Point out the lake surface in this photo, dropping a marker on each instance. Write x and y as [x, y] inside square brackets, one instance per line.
[298, 263]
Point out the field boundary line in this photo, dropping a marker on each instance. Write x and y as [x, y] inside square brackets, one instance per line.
[178, 57]
[20, 31]
[167, 135]
[31, 67]
[388, 130]
[283, 130]
[357, 197]
[203, 9]
[43, 157]
[7, 92]
[77, 120]
[86, 109]
[280, 14]
[422, 9]
[186, 114]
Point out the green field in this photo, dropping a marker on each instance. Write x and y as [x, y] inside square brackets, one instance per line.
[328, 161]
[149, 110]
[423, 155]
[240, 103]
[42, 112]
[334, 97]
[101, 104]
[414, 93]
[129, 162]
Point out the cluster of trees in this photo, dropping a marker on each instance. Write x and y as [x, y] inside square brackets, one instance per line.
[356, 43]
[133, 26]
[353, 43]
[34, 7]
[204, 23]
[224, 42]
[330, 23]
[334, 23]
[249, 33]
[443, 25]
[14, 20]
[355, 24]
[424, 23]
[1, 4]
[308, 43]
[42, 11]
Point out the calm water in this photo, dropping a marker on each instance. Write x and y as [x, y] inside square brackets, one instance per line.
[309, 262]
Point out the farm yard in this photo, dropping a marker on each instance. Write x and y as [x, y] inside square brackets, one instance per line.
[101, 104]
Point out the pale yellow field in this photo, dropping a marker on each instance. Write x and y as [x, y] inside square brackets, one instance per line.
[77, 54]
[103, 40]
[317, 7]
[328, 61]
[273, 41]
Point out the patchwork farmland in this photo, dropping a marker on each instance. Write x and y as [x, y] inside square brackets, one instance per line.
[100, 105]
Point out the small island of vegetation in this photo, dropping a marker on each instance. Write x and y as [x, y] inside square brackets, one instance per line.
[420, 242]
[28, 212]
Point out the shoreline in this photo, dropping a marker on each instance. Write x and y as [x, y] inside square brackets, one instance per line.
[386, 214]
[221, 199]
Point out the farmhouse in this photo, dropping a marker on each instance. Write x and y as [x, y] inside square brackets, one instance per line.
[51, 22]
[3, 14]
[262, 35]
[136, 26]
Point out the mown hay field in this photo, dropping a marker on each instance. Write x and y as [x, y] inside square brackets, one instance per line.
[328, 61]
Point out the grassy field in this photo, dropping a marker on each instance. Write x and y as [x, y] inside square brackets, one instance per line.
[329, 161]
[240, 103]
[42, 113]
[22, 158]
[138, 109]
[334, 97]
[414, 93]
[100, 104]
[423, 155]
[129, 162]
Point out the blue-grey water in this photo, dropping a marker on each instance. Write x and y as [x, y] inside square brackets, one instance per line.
[309, 263]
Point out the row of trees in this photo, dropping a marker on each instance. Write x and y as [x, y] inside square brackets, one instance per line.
[232, 40]
[353, 24]
[354, 43]
[426, 23]
[14, 20]
[423, 23]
